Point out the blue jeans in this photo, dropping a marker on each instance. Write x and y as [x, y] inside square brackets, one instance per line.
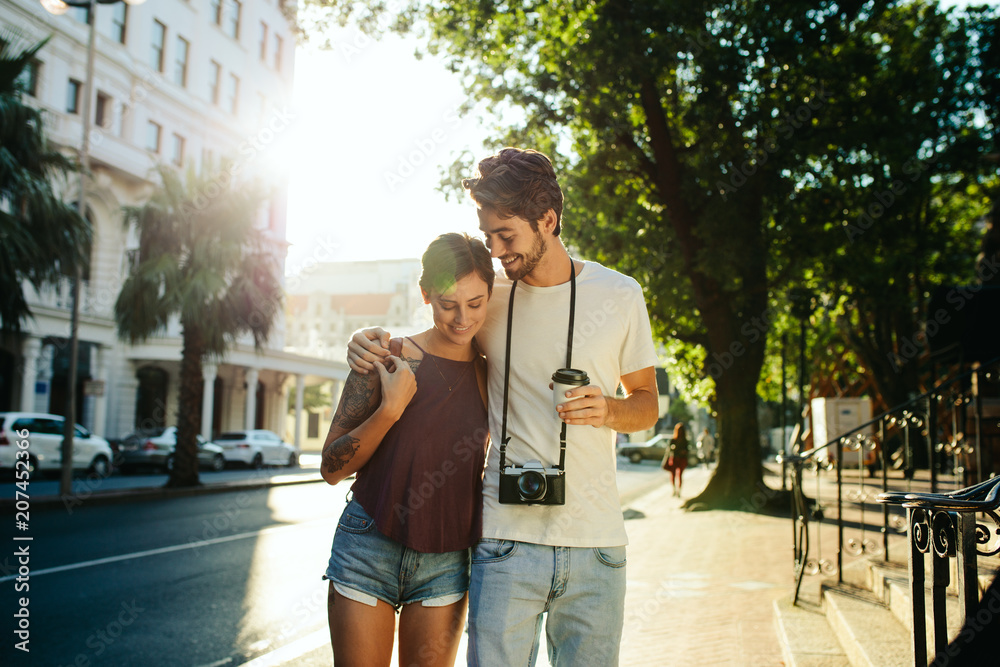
[581, 589]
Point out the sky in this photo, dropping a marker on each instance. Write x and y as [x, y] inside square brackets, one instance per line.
[373, 129]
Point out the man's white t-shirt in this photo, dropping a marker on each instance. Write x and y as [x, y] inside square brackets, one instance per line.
[612, 338]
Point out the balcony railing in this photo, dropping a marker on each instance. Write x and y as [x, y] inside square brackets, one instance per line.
[60, 297]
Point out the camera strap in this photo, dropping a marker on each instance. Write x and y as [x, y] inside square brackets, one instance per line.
[506, 367]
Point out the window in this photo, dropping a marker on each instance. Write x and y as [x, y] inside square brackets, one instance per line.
[233, 94]
[313, 426]
[278, 44]
[177, 150]
[157, 43]
[73, 96]
[181, 62]
[263, 42]
[81, 14]
[232, 15]
[153, 131]
[119, 16]
[103, 110]
[28, 79]
[214, 82]
[217, 11]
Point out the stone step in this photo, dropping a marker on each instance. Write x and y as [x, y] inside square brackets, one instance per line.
[807, 640]
[868, 632]
[900, 603]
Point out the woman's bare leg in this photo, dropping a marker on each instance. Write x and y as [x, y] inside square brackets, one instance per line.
[429, 636]
[361, 635]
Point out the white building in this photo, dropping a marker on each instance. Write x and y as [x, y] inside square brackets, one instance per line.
[185, 82]
[332, 300]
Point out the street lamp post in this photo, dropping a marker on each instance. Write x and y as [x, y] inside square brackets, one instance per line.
[802, 301]
[59, 7]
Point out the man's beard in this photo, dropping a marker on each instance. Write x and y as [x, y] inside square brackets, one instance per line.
[528, 262]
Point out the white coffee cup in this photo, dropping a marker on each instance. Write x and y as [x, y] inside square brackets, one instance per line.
[565, 379]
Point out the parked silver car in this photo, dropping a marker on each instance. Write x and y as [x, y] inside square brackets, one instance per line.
[653, 449]
[43, 434]
[256, 448]
[156, 448]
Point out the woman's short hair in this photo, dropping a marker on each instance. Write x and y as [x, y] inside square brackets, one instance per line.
[517, 182]
[450, 257]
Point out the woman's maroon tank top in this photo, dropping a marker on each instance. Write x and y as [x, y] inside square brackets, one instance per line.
[423, 486]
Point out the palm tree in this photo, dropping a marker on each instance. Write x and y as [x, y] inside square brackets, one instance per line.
[201, 258]
[42, 238]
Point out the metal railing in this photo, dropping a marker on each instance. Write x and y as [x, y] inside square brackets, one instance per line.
[944, 525]
[936, 423]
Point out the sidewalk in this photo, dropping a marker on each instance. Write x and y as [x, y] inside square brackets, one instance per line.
[701, 585]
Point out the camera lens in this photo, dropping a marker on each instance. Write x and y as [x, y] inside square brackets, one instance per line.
[531, 485]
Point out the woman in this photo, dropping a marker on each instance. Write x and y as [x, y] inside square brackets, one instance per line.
[415, 435]
[675, 459]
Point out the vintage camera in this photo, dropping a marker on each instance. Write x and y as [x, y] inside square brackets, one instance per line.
[532, 484]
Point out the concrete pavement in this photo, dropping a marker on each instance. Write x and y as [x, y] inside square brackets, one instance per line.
[701, 586]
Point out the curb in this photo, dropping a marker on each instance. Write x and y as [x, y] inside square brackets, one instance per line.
[116, 496]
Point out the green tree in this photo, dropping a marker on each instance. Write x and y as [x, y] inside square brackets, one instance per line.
[42, 239]
[892, 197]
[203, 260]
[682, 131]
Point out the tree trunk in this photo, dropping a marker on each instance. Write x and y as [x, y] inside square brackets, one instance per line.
[737, 482]
[185, 472]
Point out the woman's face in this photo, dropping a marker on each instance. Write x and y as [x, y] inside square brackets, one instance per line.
[460, 311]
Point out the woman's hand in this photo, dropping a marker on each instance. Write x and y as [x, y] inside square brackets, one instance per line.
[366, 348]
[398, 387]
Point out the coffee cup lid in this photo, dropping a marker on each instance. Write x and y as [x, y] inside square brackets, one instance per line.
[570, 376]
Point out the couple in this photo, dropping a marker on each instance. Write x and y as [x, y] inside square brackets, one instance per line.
[414, 421]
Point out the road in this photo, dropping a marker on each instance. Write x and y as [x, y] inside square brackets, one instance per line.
[207, 580]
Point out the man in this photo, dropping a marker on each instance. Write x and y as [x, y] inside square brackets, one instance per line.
[565, 561]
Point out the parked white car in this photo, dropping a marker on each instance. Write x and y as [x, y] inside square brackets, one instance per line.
[44, 434]
[156, 448]
[256, 448]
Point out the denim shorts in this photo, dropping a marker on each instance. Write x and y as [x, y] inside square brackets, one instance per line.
[366, 566]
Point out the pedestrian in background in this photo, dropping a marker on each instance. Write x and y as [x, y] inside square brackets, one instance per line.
[675, 459]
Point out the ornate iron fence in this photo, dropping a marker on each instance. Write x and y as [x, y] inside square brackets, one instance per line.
[940, 430]
[945, 526]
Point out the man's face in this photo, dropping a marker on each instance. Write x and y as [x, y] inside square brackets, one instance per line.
[514, 242]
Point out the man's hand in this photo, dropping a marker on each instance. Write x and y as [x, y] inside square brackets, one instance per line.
[590, 409]
[366, 348]
[398, 387]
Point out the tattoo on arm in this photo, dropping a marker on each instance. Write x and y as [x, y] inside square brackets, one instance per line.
[356, 405]
[339, 453]
[411, 361]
